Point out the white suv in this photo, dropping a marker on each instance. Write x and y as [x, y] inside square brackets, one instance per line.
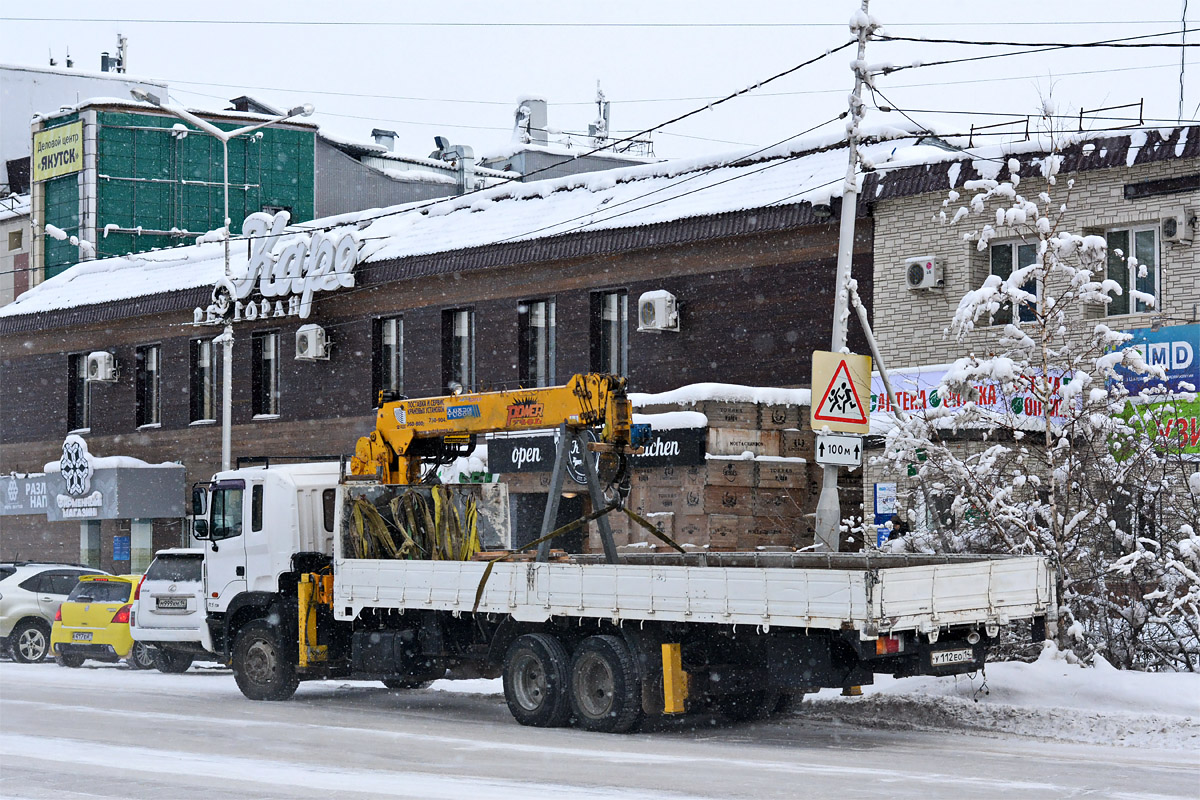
[30, 594]
[169, 610]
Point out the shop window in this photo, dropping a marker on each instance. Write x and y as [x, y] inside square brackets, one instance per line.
[458, 349]
[1133, 264]
[148, 379]
[387, 357]
[609, 332]
[79, 393]
[535, 345]
[265, 373]
[1005, 258]
[203, 389]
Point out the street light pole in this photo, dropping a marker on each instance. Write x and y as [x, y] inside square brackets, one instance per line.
[226, 337]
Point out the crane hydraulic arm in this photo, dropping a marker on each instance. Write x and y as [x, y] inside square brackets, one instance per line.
[410, 433]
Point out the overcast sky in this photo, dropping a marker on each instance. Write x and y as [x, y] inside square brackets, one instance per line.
[456, 69]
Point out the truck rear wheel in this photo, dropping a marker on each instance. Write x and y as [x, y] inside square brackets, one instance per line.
[606, 690]
[537, 678]
[260, 666]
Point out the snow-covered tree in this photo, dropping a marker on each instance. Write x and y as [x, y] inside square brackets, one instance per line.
[1059, 459]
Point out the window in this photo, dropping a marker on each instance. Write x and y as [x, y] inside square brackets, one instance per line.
[203, 391]
[610, 343]
[387, 357]
[535, 345]
[327, 505]
[1005, 259]
[79, 393]
[458, 348]
[16, 239]
[176, 567]
[149, 400]
[256, 507]
[101, 591]
[265, 377]
[226, 513]
[1133, 264]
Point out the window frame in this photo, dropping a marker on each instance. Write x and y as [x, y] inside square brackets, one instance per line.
[77, 384]
[200, 389]
[1033, 286]
[601, 356]
[264, 399]
[148, 386]
[1124, 300]
[537, 369]
[452, 356]
[381, 360]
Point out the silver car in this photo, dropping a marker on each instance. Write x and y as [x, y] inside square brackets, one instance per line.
[30, 594]
[169, 610]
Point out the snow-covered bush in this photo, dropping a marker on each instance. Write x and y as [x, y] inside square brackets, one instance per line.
[1069, 465]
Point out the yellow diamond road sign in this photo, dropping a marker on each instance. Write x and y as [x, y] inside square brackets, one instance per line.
[841, 388]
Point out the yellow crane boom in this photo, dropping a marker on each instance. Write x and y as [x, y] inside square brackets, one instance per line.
[409, 432]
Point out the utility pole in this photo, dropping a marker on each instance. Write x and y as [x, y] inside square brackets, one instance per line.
[829, 512]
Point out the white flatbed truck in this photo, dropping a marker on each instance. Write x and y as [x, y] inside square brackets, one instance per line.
[582, 640]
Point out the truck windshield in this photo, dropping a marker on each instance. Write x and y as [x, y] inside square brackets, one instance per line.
[226, 513]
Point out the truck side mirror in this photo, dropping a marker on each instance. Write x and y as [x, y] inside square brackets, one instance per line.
[199, 502]
[200, 529]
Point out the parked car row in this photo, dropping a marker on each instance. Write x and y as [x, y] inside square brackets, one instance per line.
[76, 613]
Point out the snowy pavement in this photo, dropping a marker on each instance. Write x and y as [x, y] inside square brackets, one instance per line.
[1045, 730]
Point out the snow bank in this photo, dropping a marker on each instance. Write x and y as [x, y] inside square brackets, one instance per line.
[672, 420]
[1048, 699]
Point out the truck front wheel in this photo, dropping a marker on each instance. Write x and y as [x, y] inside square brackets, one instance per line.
[537, 680]
[606, 690]
[261, 668]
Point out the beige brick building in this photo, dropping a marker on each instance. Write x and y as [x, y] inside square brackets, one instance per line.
[1130, 187]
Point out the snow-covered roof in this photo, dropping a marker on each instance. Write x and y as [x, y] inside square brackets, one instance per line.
[149, 108]
[16, 205]
[122, 77]
[807, 171]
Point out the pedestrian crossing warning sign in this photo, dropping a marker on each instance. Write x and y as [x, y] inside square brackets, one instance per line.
[840, 385]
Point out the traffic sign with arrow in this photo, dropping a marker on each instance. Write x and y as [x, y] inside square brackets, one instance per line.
[839, 449]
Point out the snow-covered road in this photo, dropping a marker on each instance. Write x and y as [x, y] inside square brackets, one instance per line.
[110, 732]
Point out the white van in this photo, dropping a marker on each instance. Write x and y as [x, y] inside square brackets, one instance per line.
[168, 610]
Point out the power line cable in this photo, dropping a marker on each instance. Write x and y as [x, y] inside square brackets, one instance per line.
[598, 24]
[1126, 41]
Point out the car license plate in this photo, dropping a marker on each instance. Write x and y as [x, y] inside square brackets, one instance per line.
[172, 602]
[942, 658]
[81, 636]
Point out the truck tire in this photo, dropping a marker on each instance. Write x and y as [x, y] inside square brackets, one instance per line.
[30, 641]
[72, 660]
[260, 665]
[606, 690]
[140, 657]
[537, 677]
[172, 661]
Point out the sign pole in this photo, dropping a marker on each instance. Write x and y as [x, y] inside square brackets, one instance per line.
[829, 513]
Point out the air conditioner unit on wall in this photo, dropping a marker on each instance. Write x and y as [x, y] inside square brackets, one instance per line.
[923, 273]
[658, 312]
[311, 344]
[101, 367]
[1178, 225]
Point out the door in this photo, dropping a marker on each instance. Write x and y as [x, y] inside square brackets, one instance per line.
[225, 545]
[53, 588]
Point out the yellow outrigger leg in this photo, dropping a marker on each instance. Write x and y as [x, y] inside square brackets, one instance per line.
[312, 590]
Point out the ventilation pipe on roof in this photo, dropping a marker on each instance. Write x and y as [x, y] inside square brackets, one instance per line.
[461, 157]
[384, 138]
[532, 120]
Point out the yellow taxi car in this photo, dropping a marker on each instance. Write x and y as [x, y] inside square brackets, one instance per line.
[93, 622]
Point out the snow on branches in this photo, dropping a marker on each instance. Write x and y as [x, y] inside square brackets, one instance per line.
[1063, 461]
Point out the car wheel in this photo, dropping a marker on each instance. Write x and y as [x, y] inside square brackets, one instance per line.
[606, 690]
[172, 661]
[30, 641]
[261, 668]
[537, 679]
[72, 660]
[141, 656]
